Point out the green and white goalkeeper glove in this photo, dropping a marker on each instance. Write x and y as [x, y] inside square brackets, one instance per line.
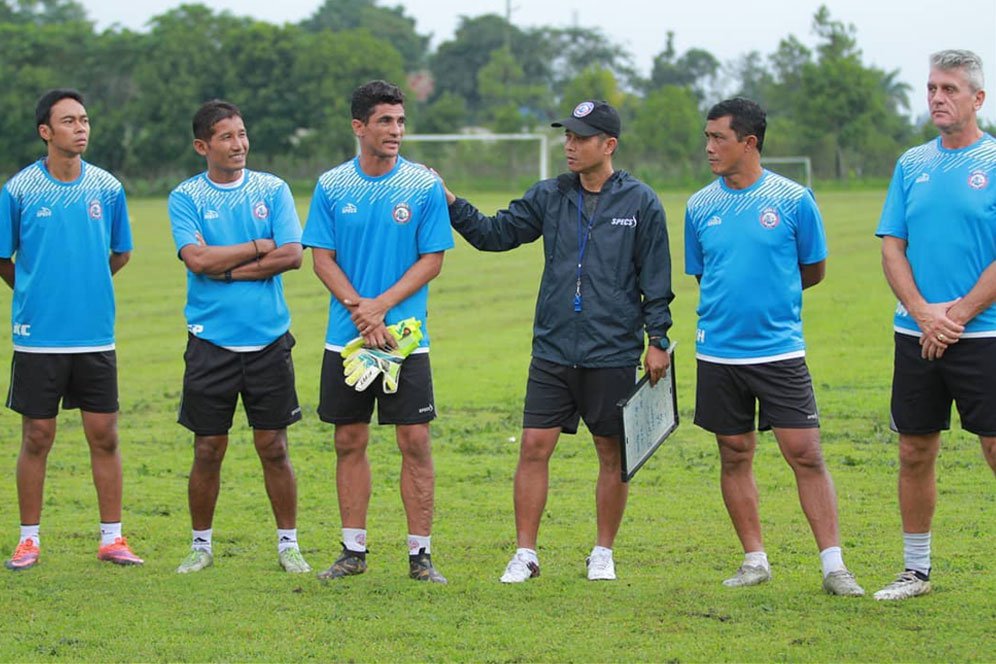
[362, 365]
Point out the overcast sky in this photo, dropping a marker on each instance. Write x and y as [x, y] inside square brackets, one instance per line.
[893, 34]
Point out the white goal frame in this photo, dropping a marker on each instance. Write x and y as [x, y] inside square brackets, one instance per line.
[807, 165]
[544, 144]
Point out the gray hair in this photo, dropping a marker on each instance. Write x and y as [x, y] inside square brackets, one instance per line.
[967, 61]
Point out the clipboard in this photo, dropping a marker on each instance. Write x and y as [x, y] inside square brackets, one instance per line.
[650, 415]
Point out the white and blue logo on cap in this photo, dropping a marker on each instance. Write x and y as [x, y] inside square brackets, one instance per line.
[583, 109]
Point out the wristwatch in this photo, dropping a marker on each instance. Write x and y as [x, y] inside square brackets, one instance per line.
[660, 342]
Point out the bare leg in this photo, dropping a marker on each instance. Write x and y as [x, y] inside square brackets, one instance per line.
[101, 430]
[205, 479]
[736, 456]
[37, 437]
[418, 478]
[801, 449]
[532, 478]
[610, 491]
[352, 477]
[278, 474]
[917, 486]
[989, 450]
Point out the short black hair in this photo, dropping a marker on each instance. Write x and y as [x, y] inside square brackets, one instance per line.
[747, 118]
[211, 113]
[368, 95]
[43, 109]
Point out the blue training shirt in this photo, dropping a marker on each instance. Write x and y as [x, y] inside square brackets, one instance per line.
[241, 315]
[747, 245]
[378, 228]
[63, 234]
[943, 203]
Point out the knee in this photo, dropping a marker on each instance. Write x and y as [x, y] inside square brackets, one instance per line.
[916, 455]
[37, 438]
[809, 458]
[271, 446]
[609, 455]
[209, 451]
[735, 453]
[535, 449]
[350, 442]
[415, 445]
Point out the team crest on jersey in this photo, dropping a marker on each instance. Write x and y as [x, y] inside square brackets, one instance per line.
[402, 213]
[978, 180]
[583, 109]
[94, 209]
[769, 218]
[260, 211]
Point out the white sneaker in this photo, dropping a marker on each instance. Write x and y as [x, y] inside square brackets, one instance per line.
[843, 583]
[601, 567]
[748, 575]
[906, 585]
[520, 569]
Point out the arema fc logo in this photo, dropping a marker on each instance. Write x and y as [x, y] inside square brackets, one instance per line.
[260, 211]
[583, 109]
[978, 180]
[94, 209]
[402, 214]
[769, 218]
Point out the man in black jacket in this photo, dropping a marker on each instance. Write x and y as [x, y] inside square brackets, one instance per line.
[606, 280]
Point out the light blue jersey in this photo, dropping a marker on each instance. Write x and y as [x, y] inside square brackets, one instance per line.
[378, 228]
[747, 245]
[241, 315]
[943, 203]
[63, 234]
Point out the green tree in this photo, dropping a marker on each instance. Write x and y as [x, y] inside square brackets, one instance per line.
[666, 133]
[695, 69]
[388, 23]
[505, 92]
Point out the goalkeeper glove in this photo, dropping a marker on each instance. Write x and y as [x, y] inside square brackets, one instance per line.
[362, 365]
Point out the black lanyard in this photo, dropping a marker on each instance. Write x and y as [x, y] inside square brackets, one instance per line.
[583, 236]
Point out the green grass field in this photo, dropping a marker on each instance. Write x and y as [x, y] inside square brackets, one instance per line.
[675, 547]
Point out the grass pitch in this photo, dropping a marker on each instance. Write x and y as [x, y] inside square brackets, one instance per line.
[675, 546]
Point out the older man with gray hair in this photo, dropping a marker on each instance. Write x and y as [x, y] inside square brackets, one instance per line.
[938, 231]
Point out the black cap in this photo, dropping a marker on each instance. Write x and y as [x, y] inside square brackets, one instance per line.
[592, 117]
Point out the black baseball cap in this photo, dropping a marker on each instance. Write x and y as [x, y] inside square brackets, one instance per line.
[592, 117]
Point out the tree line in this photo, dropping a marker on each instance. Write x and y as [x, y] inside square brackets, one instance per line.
[293, 82]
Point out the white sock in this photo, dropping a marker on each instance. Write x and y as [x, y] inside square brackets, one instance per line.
[355, 539]
[831, 559]
[528, 554]
[201, 540]
[286, 539]
[601, 550]
[418, 542]
[916, 552]
[30, 533]
[757, 559]
[109, 532]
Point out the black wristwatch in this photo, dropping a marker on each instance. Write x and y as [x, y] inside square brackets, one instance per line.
[660, 342]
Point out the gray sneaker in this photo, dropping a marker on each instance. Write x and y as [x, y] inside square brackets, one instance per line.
[842, 583]
[420, 568]
[908, 584]
[195, 561]
[292, 561]
[748, 575]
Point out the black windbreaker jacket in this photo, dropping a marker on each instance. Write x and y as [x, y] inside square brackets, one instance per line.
[626, 273]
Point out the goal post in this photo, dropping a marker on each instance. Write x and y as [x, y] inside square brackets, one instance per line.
[543, 157]
[804, 162]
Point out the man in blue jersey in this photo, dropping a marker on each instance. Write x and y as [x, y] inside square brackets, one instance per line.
[378, 231]
[237, 231]
[606, 282]
[938, 231]
[66, 222]
[754, 240]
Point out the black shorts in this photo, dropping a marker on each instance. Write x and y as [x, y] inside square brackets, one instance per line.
[413, 403]
[38, 381]
[725, 396]
[557, 396]
[922, 390]
[215, 377]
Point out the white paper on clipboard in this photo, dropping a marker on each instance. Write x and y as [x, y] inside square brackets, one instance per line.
[650, 415]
